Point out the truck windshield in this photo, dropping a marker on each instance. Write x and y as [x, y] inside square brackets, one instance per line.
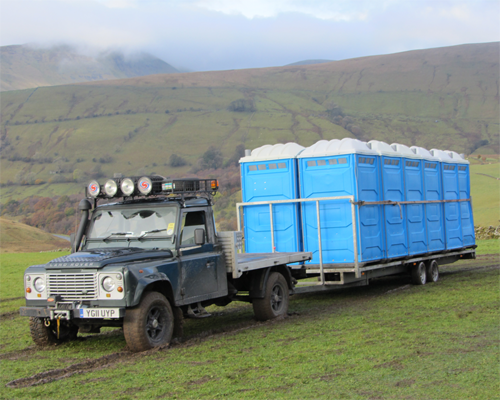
[144, 227]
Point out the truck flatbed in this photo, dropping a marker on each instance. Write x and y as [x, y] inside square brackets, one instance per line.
[251, 261]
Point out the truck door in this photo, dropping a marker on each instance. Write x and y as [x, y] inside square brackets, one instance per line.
[198, 263]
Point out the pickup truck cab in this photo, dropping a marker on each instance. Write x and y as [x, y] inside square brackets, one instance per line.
[146, 259]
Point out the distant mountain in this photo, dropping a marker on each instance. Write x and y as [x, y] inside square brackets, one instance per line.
[309, 62]
[23, 66]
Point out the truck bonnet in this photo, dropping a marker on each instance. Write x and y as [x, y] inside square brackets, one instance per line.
[99, 258]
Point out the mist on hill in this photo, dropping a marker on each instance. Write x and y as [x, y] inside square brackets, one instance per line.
[29, 66]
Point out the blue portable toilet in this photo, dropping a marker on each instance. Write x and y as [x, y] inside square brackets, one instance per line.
[392, 177]
[467, 221]
[414, 191]
[451, 191]
[431, 170]
[329, 169]
[270, 173]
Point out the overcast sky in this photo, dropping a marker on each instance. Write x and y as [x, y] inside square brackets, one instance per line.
[231, 34]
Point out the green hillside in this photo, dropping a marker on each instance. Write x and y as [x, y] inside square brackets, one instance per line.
[444, 98]
[16, 237]
[28, 67]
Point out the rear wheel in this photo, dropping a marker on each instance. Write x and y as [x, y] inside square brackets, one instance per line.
[432, 271]
[418, 274]
[44, 335]
[150, 324]
[275, 301]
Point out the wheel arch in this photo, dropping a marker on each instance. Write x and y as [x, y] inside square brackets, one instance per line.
[162, 286]
[259, 279]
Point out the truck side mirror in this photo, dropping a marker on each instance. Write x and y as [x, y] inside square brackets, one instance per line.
[199, 236]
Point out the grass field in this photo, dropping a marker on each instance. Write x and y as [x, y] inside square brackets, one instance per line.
[390, 340]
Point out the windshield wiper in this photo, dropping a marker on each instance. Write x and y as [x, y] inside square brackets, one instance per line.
[118, 234]
[148, 232]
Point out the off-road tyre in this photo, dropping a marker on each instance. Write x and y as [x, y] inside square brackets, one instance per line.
[47, 335]
[275, 301]
[419, 274]
[432, 271]
[150, 324]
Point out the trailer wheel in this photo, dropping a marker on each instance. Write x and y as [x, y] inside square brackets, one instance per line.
[150, 324]
[275, 301]
[432, 271]
[44, 335]
[418, 274]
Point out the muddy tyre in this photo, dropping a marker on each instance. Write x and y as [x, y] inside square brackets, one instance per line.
[419, 274]
[432, 271]
[47, 335]
[275, 301]
[150, 324]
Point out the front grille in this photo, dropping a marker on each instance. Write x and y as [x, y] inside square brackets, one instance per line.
[73, 286]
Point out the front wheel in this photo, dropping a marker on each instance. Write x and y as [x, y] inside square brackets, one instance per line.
[419, 274]
[150, 324]
[275, 301]
[45, 332]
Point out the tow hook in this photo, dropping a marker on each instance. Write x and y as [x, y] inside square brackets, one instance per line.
[46, 322]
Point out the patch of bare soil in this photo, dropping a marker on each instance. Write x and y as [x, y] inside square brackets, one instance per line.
[16, 355]
[9, 314]
[10, 299]
[75, 369]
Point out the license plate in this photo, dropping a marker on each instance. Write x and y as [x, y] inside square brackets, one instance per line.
[99, 313]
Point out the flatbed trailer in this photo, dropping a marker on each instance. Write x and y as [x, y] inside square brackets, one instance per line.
[421, 267]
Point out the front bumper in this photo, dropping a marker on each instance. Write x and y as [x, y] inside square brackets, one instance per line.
[67, 314]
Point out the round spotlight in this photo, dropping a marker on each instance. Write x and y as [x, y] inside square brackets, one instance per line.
[127, 187]
[110, 187]
[144, 185]
[94, 188]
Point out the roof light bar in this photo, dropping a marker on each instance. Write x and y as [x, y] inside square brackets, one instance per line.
[151, 186]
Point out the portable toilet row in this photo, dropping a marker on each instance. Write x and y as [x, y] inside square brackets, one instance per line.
[398, 191]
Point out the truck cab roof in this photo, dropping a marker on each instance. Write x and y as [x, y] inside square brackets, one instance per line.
[183, 203]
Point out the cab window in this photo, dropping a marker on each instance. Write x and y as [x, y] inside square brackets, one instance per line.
[190, 221]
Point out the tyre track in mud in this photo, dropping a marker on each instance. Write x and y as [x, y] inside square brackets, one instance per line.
[110, 360]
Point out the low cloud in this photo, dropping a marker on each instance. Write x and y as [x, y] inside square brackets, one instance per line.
[223, 34]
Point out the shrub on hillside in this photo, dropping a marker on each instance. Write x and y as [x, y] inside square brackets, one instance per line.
[212, 158]
[242, 105]
[239, 152]
[177, 161]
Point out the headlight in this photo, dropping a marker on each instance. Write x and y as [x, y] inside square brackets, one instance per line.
[110, 188]
[94, 188]
[145, 185]
[39, 284]
[108, 284]
[127, 187]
